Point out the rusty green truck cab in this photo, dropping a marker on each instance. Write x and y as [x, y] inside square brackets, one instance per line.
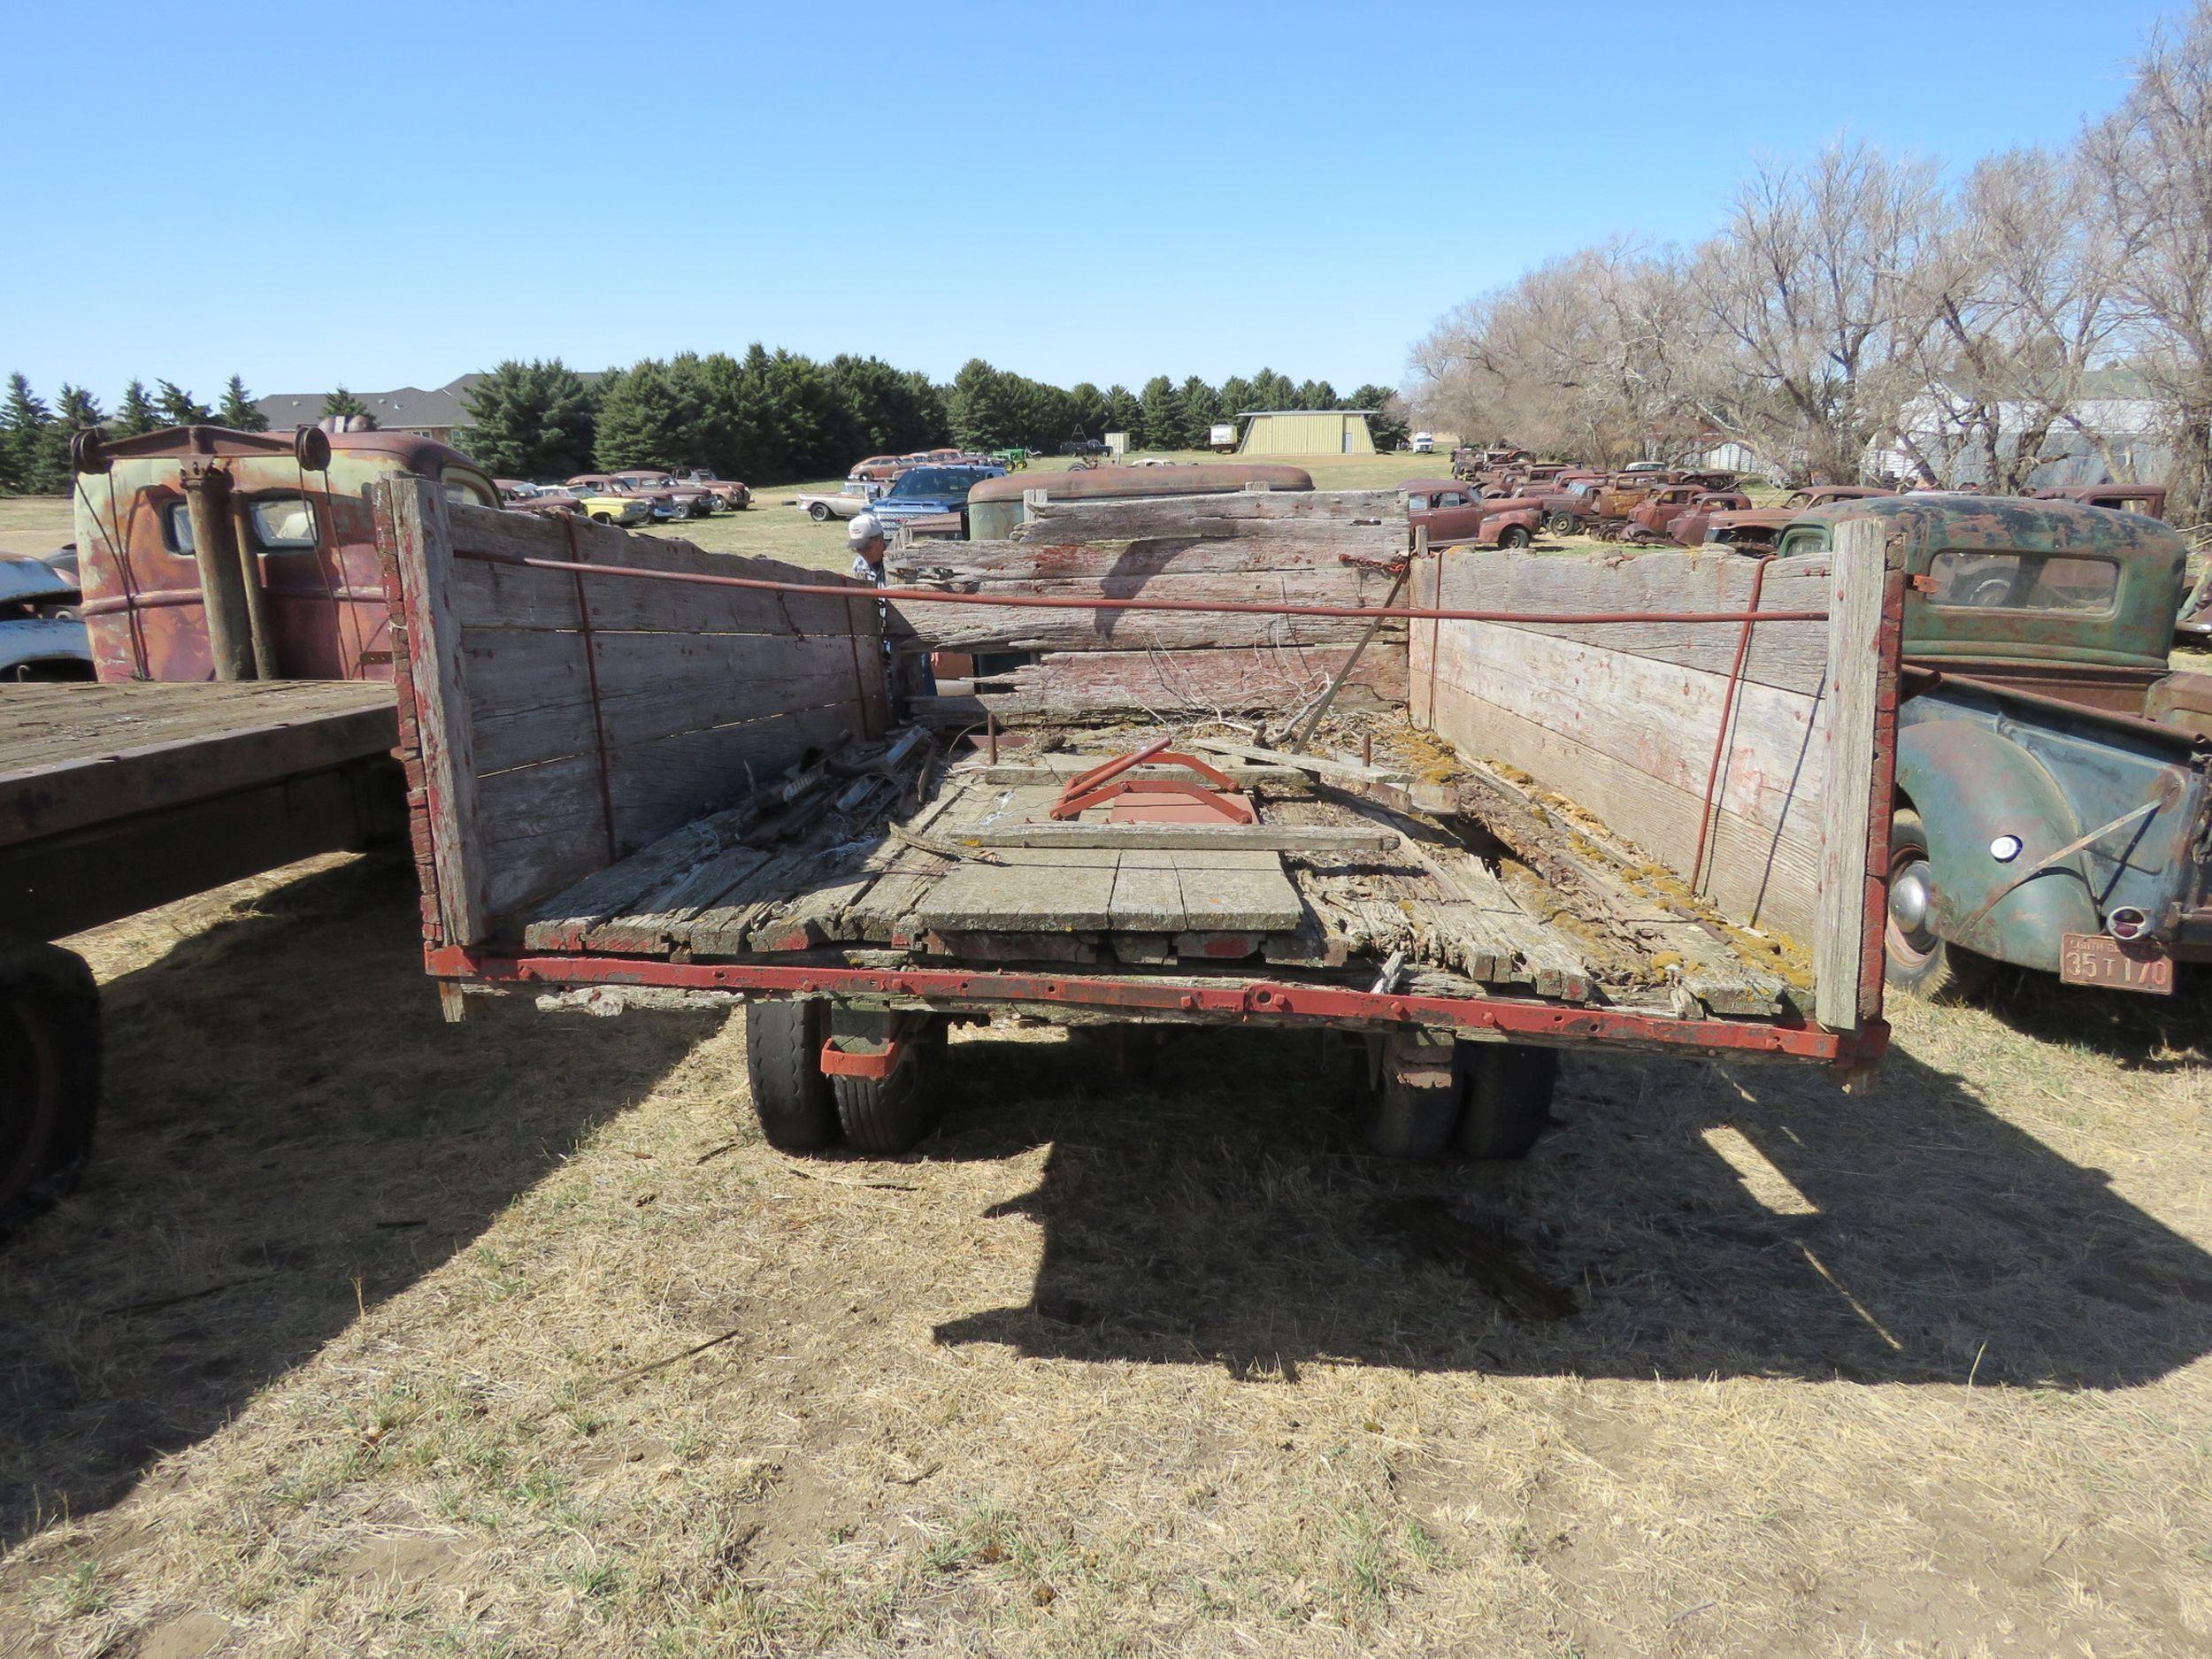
[2052, 804]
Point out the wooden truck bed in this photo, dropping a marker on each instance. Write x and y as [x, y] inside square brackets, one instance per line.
[643, 770]
[114, 798]
[1537, 912]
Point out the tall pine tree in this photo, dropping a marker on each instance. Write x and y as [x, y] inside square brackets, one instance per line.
[33, 448]
[531, 421]
[179, 407]
[1201, 407]
[1123, 412]
[77, 409]
[1160, 417]
[135, 413]
[238, 411]
[342, 405]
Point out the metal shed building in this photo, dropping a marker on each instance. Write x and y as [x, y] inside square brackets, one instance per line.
[1307, 432]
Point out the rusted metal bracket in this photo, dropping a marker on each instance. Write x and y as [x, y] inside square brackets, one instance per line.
[861, 1056]
[1220, 794]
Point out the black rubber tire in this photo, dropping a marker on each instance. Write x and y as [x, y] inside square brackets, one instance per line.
[1567, 524]
[49, 1073]
[818, 511]
[783, 1062]
[1400, 1122]
[1922, 965]
[1515, 535]
[886, 1117]
[602, 518]
[1505, 1090]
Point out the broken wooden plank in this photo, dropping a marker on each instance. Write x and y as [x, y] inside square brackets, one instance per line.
[649, 925]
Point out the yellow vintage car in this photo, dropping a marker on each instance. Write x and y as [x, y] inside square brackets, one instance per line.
[600, 504]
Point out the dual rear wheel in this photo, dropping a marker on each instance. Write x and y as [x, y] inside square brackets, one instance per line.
[1497, 1103]
[801, 1109]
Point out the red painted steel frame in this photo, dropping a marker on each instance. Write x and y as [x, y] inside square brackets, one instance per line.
[1211, 607]
[1269, 1001]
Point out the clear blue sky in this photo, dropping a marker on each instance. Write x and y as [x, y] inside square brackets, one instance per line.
[394, 194]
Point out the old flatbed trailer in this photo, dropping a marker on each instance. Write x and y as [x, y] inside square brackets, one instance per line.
[114, 798]
[1595, 809]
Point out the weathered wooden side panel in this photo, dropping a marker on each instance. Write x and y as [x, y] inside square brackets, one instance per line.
[1323, 547]
[559, 721]
[1626, 719]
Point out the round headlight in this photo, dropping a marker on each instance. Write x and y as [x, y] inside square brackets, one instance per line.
[2005, 849]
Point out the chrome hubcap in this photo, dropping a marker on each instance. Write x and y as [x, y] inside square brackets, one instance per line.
[1910, 901]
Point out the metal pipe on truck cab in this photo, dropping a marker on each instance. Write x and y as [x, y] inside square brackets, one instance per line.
[207, 495]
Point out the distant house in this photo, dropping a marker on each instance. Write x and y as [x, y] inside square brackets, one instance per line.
[1307, 432]
[2114, 412]
[437, 413]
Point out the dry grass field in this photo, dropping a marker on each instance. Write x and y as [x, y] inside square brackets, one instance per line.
[372, 1335]
[34, 524]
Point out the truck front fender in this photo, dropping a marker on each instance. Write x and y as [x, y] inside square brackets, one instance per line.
[1970, 786]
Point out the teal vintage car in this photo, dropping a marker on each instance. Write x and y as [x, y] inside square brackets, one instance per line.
[2052, 807]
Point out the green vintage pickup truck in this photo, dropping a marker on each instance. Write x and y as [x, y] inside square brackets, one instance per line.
[2052, 806]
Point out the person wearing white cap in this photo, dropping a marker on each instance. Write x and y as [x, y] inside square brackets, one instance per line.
[863, 533]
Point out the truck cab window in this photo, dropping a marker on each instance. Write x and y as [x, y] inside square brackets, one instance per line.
[2023, 582]
[282, 524]
[463, 491]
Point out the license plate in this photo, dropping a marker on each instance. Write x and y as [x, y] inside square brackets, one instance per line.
[2101, 959]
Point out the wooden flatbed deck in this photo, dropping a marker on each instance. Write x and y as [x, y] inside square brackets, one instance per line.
[115, 797]
[1489, 893]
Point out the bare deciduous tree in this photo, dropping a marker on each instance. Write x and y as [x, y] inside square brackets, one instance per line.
[2016, 288]
[1808, 291]
[2151, 164]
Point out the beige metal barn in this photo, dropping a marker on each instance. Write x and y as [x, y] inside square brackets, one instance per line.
[1307, 432]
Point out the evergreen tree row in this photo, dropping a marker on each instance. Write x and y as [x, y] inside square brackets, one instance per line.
[992, 409]
[766, 417]
[35, 435]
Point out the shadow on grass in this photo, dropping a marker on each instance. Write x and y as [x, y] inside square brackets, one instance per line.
[1222, 1209]
[291, 1134]
[2141, 1031]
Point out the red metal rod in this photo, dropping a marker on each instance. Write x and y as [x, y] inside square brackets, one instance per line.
[1230, 607]
[1727, 713]
[1114, 768]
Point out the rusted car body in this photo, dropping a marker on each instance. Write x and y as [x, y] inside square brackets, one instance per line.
[2052, 804]
[517, 494]
[1455, 515]
[1653, 517]
[314, 549]
[732, 495]
[1687, 529]
[1756, 529]
[690, 500]
[2147, 499]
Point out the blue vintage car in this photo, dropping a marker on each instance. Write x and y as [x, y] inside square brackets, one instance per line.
[41, 635]
[924, 492]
